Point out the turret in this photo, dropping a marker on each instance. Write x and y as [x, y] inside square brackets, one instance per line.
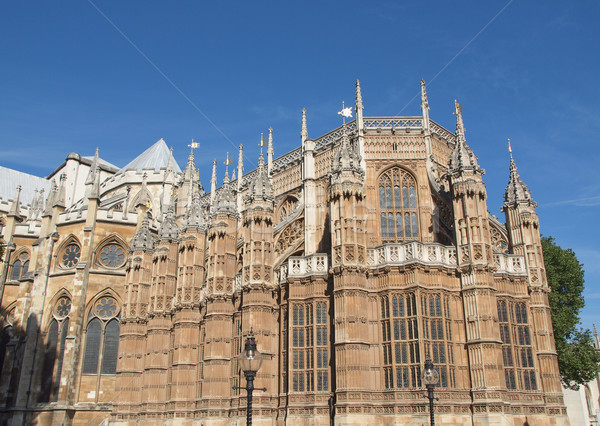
[475, 262]
[259, 298]
[522, 225]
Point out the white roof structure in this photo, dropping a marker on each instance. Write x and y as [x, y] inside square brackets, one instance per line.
[9, 179]
[156, 157]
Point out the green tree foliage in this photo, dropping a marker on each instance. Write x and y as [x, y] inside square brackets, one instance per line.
[578, 360]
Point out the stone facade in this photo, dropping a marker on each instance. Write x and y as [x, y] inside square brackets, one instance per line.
[127, 295]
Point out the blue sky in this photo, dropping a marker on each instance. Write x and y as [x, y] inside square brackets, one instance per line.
[70, 81]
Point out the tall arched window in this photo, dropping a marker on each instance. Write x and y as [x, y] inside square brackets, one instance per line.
[102, 338]
[55, 350]
[398, 205]
[20, 266]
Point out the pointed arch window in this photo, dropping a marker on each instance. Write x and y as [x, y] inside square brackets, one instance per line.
[55, 350]
[102, 338]
[398, 205]
[20, 266]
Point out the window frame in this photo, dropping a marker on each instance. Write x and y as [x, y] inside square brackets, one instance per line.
[398, 207]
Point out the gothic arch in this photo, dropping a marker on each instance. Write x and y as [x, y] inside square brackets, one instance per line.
[19, 264]
[116, 241]
[55, 329]
[107, 292]
[102, 328]
[66, 256]
[287, 206]
[398, 204]
[50, 304]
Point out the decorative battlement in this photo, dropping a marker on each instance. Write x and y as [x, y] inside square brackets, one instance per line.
[397, 254]
[393, 123]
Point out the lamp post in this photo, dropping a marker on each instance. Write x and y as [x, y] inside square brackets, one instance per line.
[430, 377]
[250, 361]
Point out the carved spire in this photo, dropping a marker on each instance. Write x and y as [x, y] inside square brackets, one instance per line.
[270, 152]
[225, 200]
[516, 191]
[190, 167]
[346, 159]
[213, 182]
[424, 105]
[15, 208]
[91, 177]
[240, 167]
[61, 196]
[51, 197]
[32, 213]
[144, 198]
[304, 131]
[143, 240]
[170, 163]
[462, 157]
[358, 99]
[261, 188]
[195, 217]
[168, 229]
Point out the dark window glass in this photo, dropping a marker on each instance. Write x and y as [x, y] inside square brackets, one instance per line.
[111, 348]
[93, 340]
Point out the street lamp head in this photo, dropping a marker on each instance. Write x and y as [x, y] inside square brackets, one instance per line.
[430, 375]
[250, 358]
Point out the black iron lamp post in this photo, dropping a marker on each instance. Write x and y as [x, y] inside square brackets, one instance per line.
[250, 361]
[430, 378]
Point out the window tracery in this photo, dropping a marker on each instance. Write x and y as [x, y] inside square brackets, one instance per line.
[55, 349]
[102, 337]
[305, 347]
[112, 255]
[517, 352]
[287, 208]
[69, 257]
[20, 266]
[398, 205]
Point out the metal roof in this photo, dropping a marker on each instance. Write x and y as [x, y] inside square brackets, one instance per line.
[9, 179]
[156, 157]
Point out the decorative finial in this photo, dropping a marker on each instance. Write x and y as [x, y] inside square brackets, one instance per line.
[345, 112]
[424, 101]
[509, 148]
[262, 142]
[193, 145]
[304, 131]
[227, 160]
[358, 100]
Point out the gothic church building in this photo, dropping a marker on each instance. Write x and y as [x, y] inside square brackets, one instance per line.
[127, 293]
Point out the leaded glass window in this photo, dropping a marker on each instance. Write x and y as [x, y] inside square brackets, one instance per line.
[20, 266]
[517, 352]
[398, 205]
[102, 337]
[54, 350]
[310, 347]
[400, 342]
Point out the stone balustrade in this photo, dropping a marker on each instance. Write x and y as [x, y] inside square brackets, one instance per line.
[509, 264]
[302, 266]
